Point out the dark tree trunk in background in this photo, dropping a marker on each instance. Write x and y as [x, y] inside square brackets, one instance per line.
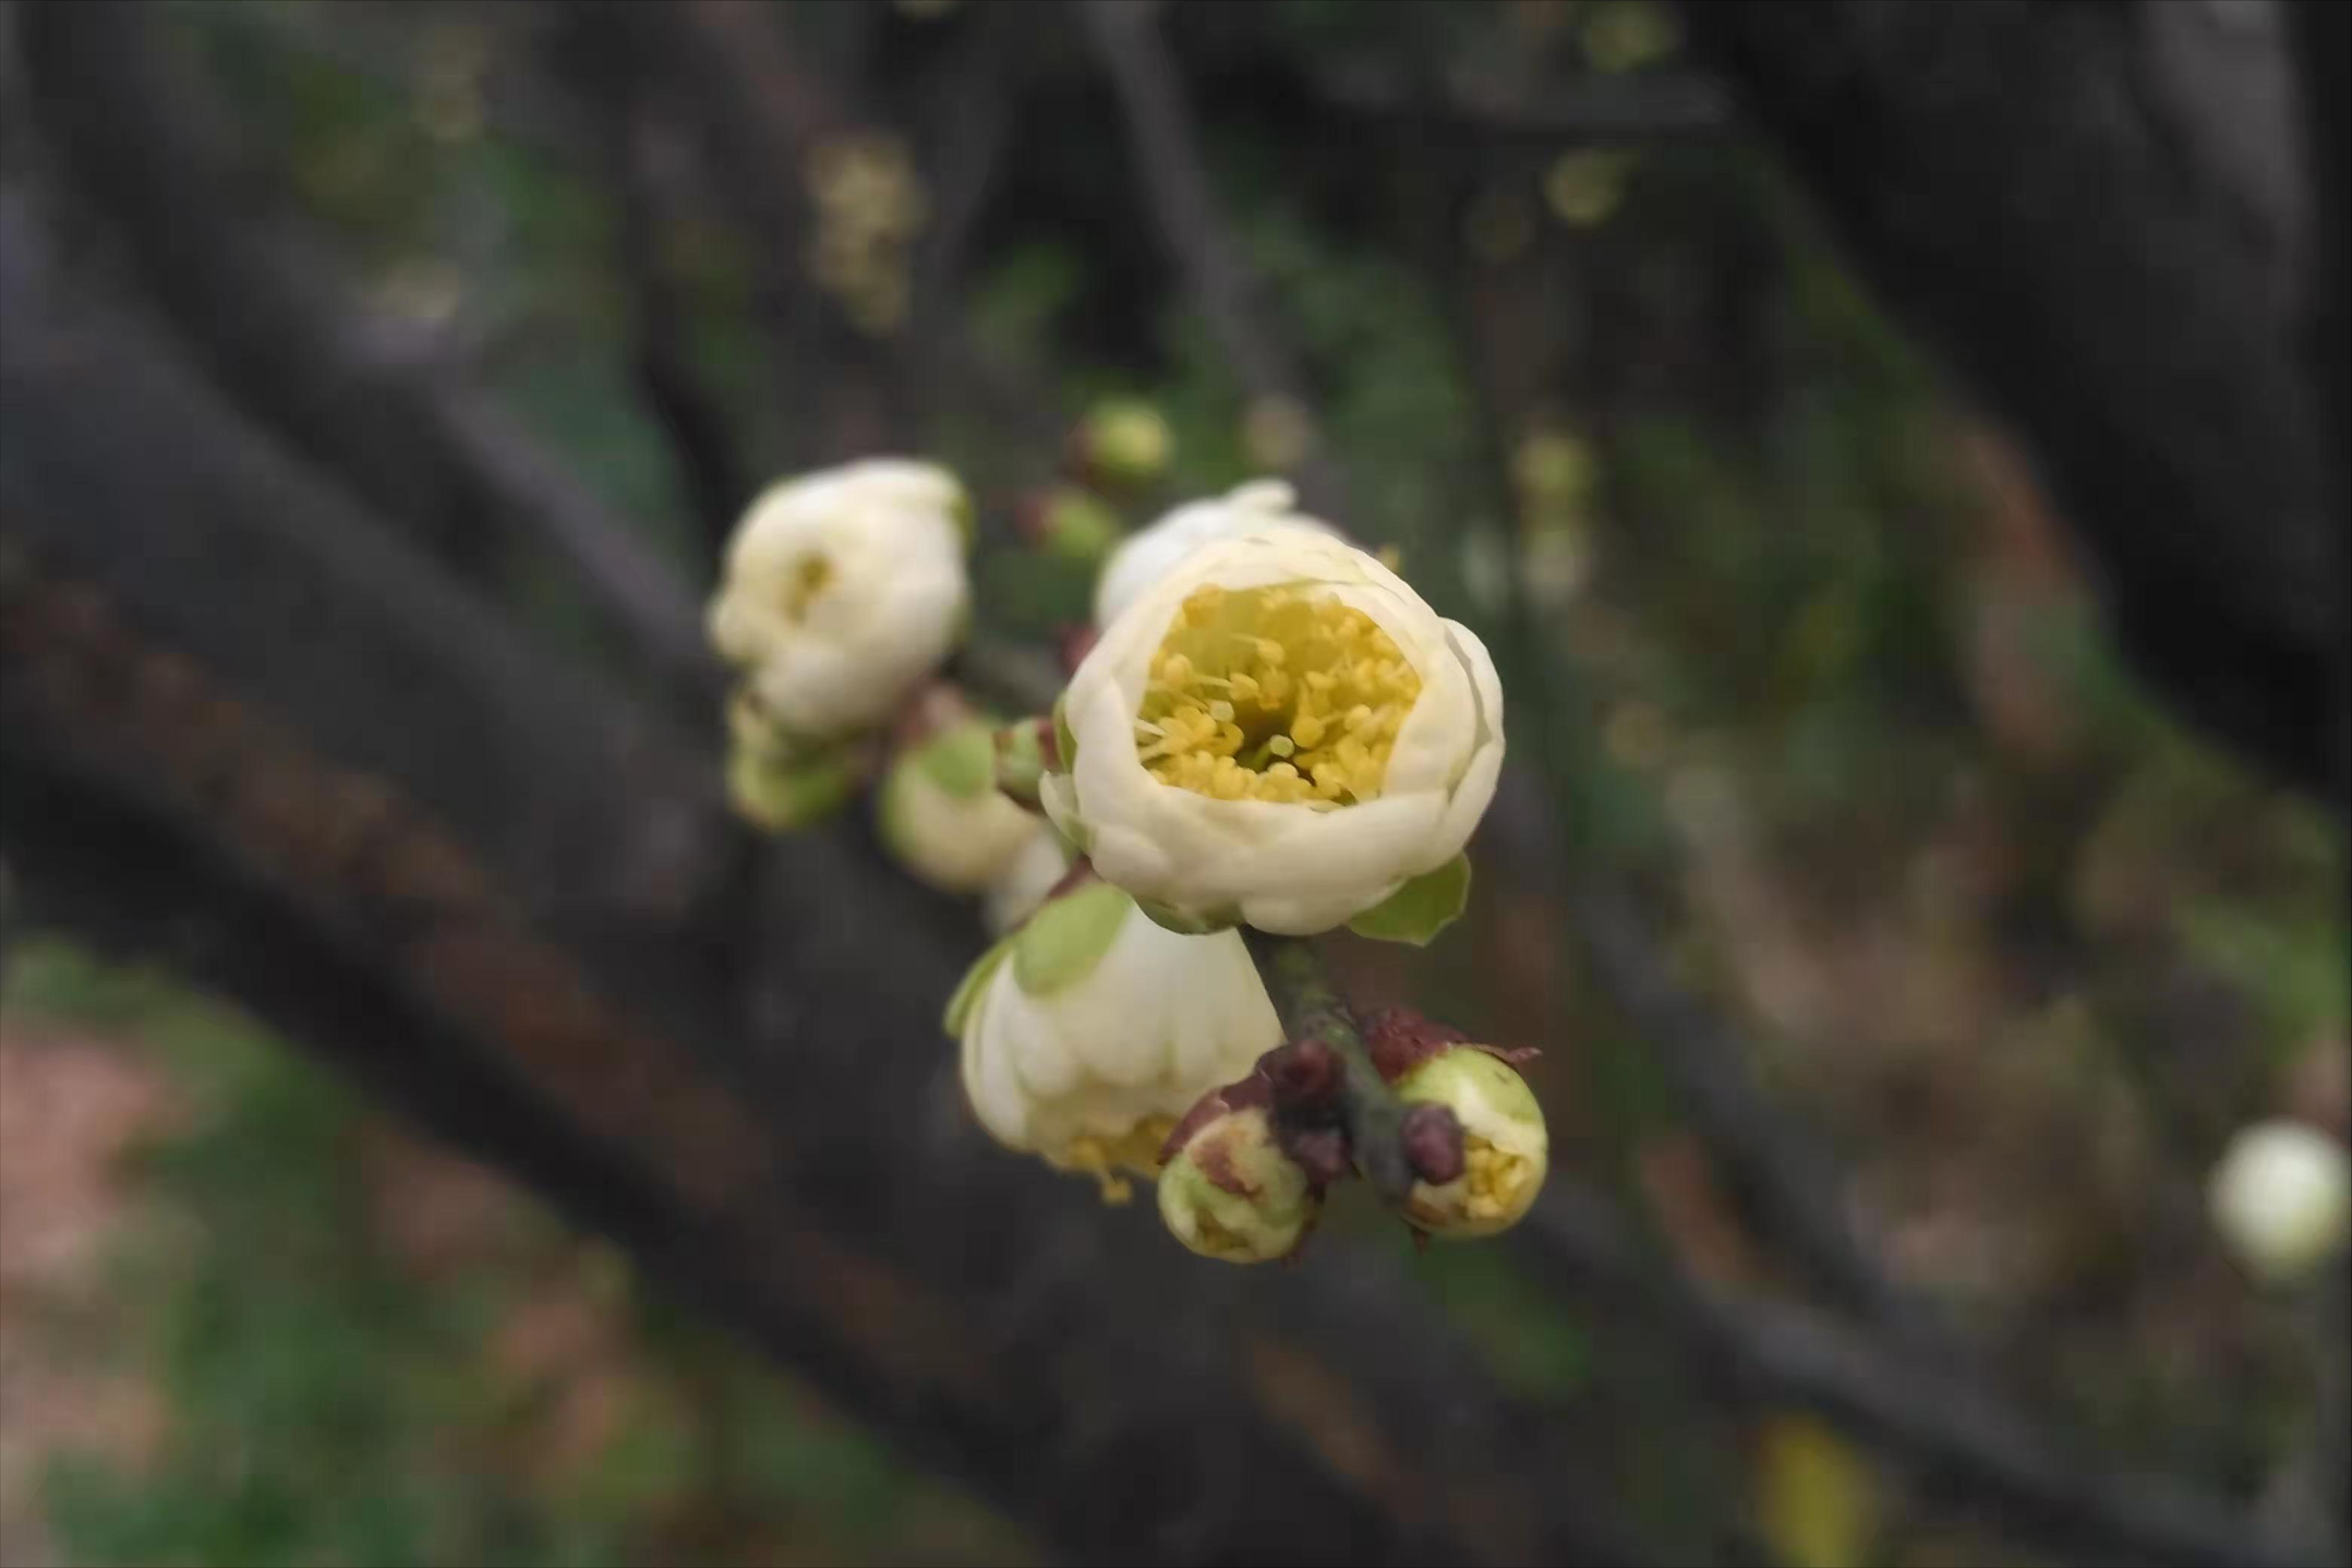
[2102, 213]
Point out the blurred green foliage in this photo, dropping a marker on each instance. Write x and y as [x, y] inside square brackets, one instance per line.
[332, 1402]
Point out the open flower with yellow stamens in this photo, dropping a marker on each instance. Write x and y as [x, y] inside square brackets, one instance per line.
[1279, 732]
[1150, 553]
[1090, 1032]
[842, 590]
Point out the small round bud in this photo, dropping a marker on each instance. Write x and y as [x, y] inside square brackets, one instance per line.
[1024, 753]
[1504, 1150]
[1070, 524]
[1232, 1194]
[780, 793]
[2281, 1198]
[1125, 442]
[942, 816]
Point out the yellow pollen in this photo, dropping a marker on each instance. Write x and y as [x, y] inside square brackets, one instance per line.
[1107, 1158]
[1275, 694]
[1497, 1185]
[809, 578]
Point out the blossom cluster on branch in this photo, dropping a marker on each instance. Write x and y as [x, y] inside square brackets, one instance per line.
[1266, 735]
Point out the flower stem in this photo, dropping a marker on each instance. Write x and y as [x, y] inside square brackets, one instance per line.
[1312, 1009]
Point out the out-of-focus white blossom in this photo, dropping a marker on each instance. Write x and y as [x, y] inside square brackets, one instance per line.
[844, 590]
[2281, 1198]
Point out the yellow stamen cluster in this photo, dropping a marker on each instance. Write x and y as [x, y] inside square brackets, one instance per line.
[1496, 1182]
[1275, 694]
[811, 576]
[1104, 1158]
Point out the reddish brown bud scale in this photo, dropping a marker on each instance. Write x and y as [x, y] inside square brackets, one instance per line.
[1076, 643]
[1253, 1090]
[1433, 1144]
[1400, 1039]
[1306, 1075]
[1320, 1152]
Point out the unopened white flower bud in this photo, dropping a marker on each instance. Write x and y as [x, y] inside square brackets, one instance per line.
[1229, 1193]
[1506, 1150]
[941, 816]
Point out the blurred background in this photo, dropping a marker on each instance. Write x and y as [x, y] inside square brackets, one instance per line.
[1884, 446]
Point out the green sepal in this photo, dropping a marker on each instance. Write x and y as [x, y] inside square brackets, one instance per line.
[1424, 906]
[1168, 919]
[779, 796]
[968, 989]
[961, 762]
[1064, 940]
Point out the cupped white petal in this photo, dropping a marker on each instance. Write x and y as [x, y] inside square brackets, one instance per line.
[1150, 553]
[1156, 1022]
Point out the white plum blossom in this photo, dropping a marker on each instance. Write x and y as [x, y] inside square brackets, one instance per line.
[942, 818]
[2281, 1198]
[842, 590]
[1089, 1033]
[1279, 731]
[1150, 553]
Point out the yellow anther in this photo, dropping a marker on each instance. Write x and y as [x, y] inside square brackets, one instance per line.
[1264, 673]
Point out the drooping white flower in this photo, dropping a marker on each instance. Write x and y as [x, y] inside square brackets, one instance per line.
[941, 816]
[844, 589]
[1279, 731]
[2281, 1198]
[1148, 554]
[1022, 885]
[1088, 1033]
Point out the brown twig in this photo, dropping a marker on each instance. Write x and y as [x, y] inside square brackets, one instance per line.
[1223, 287]
[1313, 1013]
